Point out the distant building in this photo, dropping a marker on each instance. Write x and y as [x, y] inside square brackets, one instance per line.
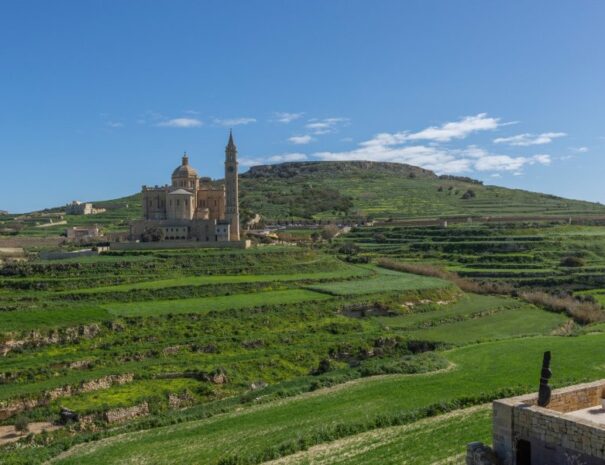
[82, 208]
[82, 232]
[192, 208]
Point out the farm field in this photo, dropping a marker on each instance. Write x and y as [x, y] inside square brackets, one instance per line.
[543, 255]
[428, 441]
[242, 347]
[480, 372]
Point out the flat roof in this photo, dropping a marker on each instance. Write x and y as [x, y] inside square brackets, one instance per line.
[595, 414]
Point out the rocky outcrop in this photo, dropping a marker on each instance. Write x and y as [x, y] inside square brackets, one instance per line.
[119, 415]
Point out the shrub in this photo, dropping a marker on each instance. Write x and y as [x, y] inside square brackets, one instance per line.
[329, 232]
[469, 194]
[581, 312]
[22, 424]
[572, 262]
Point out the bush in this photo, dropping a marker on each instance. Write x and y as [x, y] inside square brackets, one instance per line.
[581, 312]
[21, 424]
[469, 194]
[572, 262]
[329, 232]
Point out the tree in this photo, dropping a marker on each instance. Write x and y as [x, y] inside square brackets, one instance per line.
[469, 194]
[329, 232]
[21, 424]
[572, 262]
[152, 235]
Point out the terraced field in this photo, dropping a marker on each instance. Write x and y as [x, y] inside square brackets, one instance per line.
[264, 432]
[219, 355]
[525, 255]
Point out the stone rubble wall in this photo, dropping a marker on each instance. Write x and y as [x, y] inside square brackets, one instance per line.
[13, 407]
[37, 339]
[128, 413]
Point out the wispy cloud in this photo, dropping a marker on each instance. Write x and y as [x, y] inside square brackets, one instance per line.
[282, 158]
[527, 139]
[114, 124]
[446, 132]
[284, 117]
[180, 123]
[300, 140]
[235, 121]
[325, 125]
[443, 160]
[580, 149]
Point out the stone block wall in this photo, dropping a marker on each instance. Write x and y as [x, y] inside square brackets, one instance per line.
[552, 437]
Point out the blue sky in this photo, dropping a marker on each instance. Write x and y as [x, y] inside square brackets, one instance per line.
[100, 97]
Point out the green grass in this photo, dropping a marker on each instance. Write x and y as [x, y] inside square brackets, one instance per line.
[206, 304]
[421, 443]
[127, 394]
[479, 370]
[348, 272]
[384, 281]
[23, 320]
[526, 321]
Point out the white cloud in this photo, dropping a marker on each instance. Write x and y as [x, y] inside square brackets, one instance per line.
[235, 121]
[452, 130]
[180, 123]
[325, 125]
[389, 147]
[285, 157]
[580, 149]
[524, 140]
[114, 124]
[283, 117]
[300, 140]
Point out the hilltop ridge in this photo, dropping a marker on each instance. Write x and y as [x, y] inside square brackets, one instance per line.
[349, 190]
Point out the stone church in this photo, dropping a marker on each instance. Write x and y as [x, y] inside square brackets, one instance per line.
[192, 208]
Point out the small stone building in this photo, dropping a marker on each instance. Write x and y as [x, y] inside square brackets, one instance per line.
[82, 208]
[569, 431]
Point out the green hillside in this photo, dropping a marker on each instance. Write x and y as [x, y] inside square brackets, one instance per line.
[338, 190]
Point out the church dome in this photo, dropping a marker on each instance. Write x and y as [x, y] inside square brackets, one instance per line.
[185, 170]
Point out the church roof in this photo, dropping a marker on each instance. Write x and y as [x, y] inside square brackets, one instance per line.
[180, 192]
[185, 170]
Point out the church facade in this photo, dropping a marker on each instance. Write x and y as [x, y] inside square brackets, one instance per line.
[192, 208]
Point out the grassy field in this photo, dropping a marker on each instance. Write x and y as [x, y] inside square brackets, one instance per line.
[256, 432]
[425, 442]
[201, 305]
[383, 281]
[356, 359]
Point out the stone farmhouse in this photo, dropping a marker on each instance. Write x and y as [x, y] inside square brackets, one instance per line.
[192, 209]
[569, 430]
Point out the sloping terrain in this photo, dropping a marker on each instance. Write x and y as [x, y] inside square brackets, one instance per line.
[338, 190]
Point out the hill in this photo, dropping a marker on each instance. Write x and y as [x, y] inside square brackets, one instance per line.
[342, 191]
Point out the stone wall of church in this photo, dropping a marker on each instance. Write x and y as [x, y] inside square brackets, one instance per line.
[214, 201]
[154, 203]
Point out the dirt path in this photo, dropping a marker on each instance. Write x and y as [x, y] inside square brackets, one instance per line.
[8, 433]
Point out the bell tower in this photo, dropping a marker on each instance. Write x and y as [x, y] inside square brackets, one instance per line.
[232, 188]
